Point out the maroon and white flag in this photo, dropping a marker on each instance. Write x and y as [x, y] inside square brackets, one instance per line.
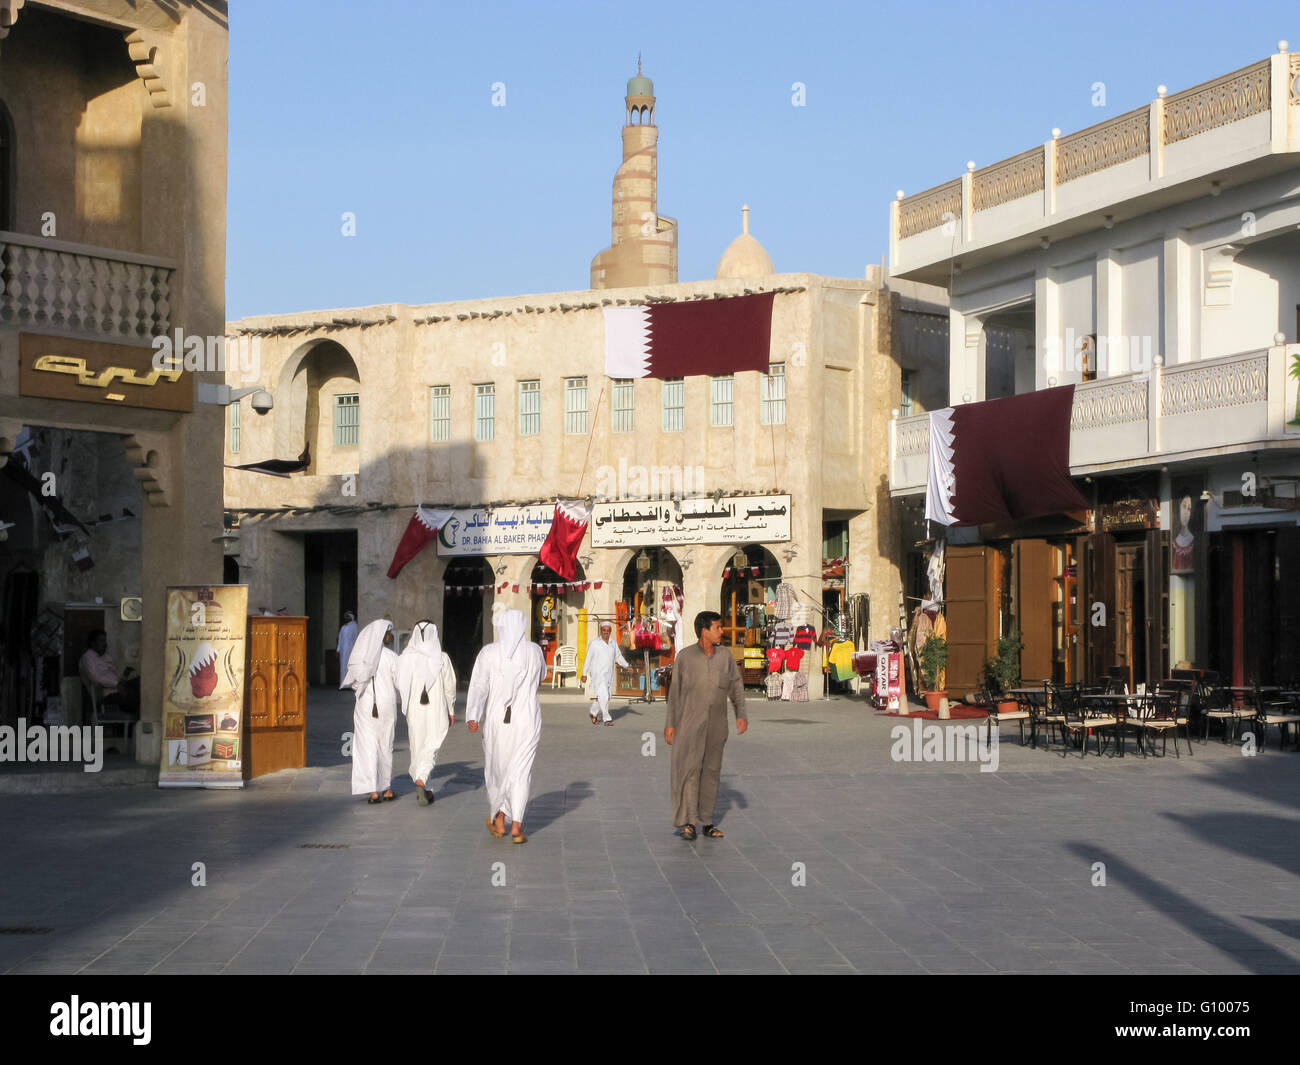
[560, 551]
[679, 339]
[420, 531]
[1002, 460]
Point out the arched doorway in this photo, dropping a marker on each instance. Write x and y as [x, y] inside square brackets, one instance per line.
[463, 605]
[555, 603]
[652, 592]
[749, 581]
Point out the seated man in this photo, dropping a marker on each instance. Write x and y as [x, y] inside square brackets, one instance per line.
[119, 692]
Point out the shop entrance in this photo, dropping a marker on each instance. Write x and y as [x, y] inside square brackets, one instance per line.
[554, 614]
[749, 581]
[1255, 619]
[330, 588]
[463, 602]
[647, 617]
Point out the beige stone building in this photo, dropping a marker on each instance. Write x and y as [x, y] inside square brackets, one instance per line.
[491, 404]
[112, 233]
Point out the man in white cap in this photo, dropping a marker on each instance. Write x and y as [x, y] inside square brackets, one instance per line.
[372, 674]
[426, 683]
[347, 637]
[598, 670]
[503, 704]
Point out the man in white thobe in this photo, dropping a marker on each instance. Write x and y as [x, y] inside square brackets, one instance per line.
[426, 682]
[372, 675]
[598, 670]
[503, 704]
[347, 638]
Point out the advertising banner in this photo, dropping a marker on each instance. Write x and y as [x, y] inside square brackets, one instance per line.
[500, 531]
[203, 687]
[731, 520]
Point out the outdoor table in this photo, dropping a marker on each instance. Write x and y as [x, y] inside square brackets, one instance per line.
[1035, 696]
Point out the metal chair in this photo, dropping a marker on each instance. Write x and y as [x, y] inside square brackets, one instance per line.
[1273, 709]
[1078, 718]
[987, 699]
[1047, 714]
[565, 663]
[1166, 711]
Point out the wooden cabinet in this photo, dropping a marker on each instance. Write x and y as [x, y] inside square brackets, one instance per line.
[275, 695]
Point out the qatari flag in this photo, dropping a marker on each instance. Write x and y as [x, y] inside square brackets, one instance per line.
[420, 531]
[560, 549]
[1002, 460]
[717, 337]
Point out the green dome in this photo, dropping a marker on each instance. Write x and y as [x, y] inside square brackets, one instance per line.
[640, 85]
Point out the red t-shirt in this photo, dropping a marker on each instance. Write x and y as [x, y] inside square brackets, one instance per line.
[775, 658]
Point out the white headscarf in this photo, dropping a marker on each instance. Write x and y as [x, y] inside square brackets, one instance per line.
[419, 664]
[363, 663]
[511, 662]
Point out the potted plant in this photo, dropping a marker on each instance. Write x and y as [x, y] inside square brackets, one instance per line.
[1004, 670]
[934, 661]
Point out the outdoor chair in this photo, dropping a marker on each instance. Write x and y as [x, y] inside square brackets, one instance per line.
[566, 662]
[1079, 718]
[1166, 712]
[109, 718]
[1047, 714]
[1272, 709]
[987, 699]
[1217, 705]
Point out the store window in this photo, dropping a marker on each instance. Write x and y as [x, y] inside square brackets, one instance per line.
[624, 407]
[773, 406]
[905, 403]
[673, 397]
[485, 412]
[347, 420]
[440, 413]
[530, 408]
[575, 406]
[720, 400]
[234, 428]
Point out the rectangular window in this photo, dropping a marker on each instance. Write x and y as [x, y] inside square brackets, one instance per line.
[347, 420]
[485, 412]
[530, 408]
[440, 413]
[234, 428]
[905, 405]
[720, 405]
[773, 406]
[575, 406]
[624, 420]
[674, 405]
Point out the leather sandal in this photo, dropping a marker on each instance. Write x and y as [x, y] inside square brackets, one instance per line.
[688, 832]
[493, 829]
[711, 832]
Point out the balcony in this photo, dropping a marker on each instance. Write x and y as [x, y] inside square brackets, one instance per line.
[1236, 403]
[54, 285]
[1154, 154]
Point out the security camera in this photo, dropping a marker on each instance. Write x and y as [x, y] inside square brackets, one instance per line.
[262, 401]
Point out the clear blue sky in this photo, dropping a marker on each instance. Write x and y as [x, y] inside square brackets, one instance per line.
[385, 109]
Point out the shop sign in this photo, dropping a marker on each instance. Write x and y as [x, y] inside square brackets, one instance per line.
[731, 520]
[499, 531]
[90, 371]
[1136, 512]
[203, 687]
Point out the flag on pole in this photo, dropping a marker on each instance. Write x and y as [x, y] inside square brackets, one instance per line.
[420, 531]
[719, 336]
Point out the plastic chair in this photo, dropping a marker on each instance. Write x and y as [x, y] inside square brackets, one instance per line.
[566, 662]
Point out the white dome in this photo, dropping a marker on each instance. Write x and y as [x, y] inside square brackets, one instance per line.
[745, 256]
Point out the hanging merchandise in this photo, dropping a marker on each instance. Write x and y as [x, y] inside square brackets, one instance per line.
[800, 694]
[785, 600]
[773, 685]
[775, 660]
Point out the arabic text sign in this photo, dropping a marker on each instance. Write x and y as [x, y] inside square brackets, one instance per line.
[91, 371]
[501, 531]
[732, 520]
[203, 687]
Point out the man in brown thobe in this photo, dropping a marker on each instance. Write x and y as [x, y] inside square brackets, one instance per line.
[704, 677]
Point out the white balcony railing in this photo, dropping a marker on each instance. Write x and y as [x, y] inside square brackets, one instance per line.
[52, 284]
[1236, 402]
[1249, 113]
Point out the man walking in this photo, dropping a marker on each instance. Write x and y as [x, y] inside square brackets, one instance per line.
[503, 703]
[372, 675]
[703, 680]
[426, 683]
[599, 668]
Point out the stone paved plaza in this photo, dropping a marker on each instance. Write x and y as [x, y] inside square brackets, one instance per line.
[910, 867]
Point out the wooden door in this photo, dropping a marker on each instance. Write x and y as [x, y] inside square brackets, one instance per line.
[972, 584]
[1096, 610]
[1035, 594]
[260, 680]
[290, 669]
